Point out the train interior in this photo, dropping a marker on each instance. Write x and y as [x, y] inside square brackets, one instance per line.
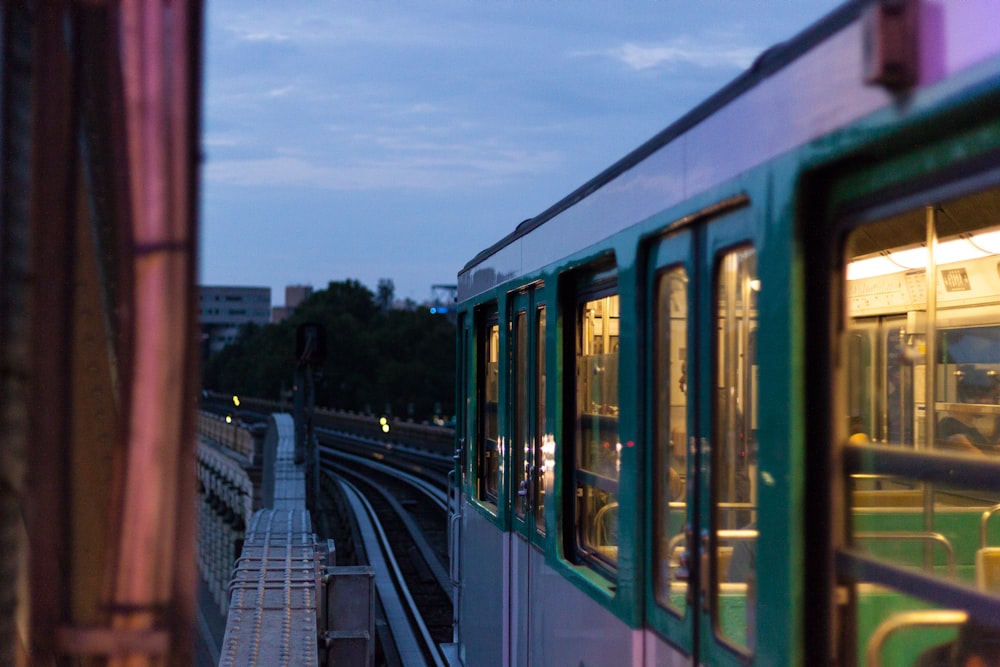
[921, 358]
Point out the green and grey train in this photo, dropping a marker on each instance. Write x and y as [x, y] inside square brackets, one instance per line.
[735, 400]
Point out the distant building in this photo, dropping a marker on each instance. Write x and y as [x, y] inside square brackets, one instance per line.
[294, 295]
[223, 310]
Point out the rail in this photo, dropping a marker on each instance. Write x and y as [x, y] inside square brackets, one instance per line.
[410, 634]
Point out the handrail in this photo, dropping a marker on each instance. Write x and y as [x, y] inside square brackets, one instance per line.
[982, 524]
[726, 534]
[676, 541]
[926, 536]
[737, 534]
[599, 516]
[925, 618]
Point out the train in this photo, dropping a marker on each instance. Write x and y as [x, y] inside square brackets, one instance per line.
[734, 401]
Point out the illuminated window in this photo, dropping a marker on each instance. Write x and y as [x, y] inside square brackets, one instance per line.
[528, 413]
[670, 393]
[598, 447]
[734, 424]
[520, 390]
[542, 462]
[917, 417]
[488, 449]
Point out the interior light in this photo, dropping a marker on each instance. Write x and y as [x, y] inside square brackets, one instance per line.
[871, 267]
[986, 241]
[911, 259]
[958, 250]
[755, 285]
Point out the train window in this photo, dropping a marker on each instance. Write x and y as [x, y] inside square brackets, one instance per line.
[734, 422]
[918, 419]
[522, 417]
[598, 449]
[528, 413]
[670, 454]
[540, 478]
[488, 447]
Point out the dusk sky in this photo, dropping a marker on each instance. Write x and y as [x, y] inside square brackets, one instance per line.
[372, 139]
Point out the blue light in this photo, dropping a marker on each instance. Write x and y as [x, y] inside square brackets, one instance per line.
[433, 311]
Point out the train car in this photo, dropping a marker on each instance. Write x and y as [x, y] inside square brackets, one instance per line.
[735, 400]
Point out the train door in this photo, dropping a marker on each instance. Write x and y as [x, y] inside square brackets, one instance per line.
[726, 526]
[671, 285]
[527, 392]
[704, 288]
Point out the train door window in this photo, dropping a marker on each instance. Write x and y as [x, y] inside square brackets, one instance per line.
[522, 417]
[527, 392]
[919, 431]
[488, 373]
[598, 450]
[671, 433]
[542, 469]
[734, 422]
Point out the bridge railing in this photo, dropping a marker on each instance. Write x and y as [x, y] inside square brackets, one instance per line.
[438, 439]
[287, 603]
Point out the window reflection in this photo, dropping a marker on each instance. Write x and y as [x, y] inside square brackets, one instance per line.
[489, 438]
[598, 458]
[734, 409]
[539, 458]
[671, 392]
[519, 390]
[920, 391]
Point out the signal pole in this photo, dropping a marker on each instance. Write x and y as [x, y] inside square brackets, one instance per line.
[310, 349]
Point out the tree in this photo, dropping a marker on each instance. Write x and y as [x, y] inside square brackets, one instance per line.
[374, 356]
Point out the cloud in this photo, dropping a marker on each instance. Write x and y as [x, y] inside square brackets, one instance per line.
[681, 51]
[221, 139]
[261, 36]
[440, 168]
[281, 92]
[341, 23]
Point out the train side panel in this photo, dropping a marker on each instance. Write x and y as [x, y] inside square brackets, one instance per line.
[483, 615]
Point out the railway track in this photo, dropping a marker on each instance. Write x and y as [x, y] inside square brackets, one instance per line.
[399, 527]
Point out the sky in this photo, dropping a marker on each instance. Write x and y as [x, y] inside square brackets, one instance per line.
[371, 139]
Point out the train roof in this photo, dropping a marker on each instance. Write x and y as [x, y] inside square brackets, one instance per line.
[767, 63]
[817, 45]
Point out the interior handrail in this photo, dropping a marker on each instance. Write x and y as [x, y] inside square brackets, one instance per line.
[729, 534]
[982, 524]
[922, 535]
[923, 618]
[599, 517]
[737, 534]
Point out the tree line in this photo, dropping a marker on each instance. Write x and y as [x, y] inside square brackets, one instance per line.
[377, 359]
